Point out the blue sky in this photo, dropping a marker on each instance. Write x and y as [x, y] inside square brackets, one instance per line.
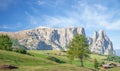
[93, 15]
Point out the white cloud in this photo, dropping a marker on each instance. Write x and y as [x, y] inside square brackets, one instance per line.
[96, 16]
[50, 3]
[41, 2]
[59, 21]
[100, 7]
[114, 25]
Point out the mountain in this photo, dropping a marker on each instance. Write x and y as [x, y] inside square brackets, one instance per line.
[101, 44]
[117, 52]
[44, 38]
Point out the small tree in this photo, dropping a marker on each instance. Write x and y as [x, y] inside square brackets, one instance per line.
[78, 48]
[96, 64]
[5, 43]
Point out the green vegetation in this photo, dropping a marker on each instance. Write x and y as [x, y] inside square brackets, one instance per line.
[13, 58]
[89, 63]
[37, 61]
[113, 58]
[5, 43]
[55, 59]
[16, 43]
[96, 64]
[20, 50]
[17, 47]
[34, 62]
[78, 48]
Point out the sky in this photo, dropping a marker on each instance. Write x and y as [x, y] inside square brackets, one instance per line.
[93, 15]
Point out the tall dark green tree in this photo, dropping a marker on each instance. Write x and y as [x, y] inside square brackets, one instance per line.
[78, 48]
[5, 43]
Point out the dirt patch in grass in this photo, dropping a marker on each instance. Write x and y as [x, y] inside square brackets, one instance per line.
[8, 67]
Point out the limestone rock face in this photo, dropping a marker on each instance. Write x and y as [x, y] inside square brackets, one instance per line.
[101, 43]
[44, 38]
[50, 38]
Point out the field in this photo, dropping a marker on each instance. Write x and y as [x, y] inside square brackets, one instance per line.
[37, 61]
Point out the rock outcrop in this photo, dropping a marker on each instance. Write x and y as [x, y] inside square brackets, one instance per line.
[101, 44]
[58, 39]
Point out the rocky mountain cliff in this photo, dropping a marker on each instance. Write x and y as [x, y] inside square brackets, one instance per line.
[44, 38]
[101, 44]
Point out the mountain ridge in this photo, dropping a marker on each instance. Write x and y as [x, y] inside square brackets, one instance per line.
[45, 38]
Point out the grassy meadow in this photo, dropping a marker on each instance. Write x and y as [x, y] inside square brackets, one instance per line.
[37, 61]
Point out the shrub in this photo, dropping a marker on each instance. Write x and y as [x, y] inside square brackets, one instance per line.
[96, 64]
[21, 50]
[55, 59]
[103, 62]
[113, 58]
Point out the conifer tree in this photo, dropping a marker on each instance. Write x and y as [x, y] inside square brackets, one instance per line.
[78, 48]
[5, 43]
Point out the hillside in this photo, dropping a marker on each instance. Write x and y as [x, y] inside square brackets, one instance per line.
[34, 62]
[13, 58]
[37, 61]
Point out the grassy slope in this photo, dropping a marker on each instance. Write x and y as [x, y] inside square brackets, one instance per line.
[14, 58]
[88, 62]
[38, 61]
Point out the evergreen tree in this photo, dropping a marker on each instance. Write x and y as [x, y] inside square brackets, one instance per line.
[5, 43]
[78, 48]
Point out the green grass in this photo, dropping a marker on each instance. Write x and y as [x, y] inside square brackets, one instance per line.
[114, 69]
[13, 58]
[61, 67]
[45, 53]
[37, 61]
[87, 62]
[98, 57]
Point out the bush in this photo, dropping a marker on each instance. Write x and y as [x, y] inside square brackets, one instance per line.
[55, 59]
[113, 58]
[5, 43]
[102, 63]
[21, 50]
[96, 64]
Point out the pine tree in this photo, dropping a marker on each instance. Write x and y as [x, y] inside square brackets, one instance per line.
[78, 48]
[5, 43]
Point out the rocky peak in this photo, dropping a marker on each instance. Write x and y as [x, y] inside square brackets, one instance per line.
[95, 36]
[101, 43]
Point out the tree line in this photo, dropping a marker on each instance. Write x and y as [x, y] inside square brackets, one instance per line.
[6, 43]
